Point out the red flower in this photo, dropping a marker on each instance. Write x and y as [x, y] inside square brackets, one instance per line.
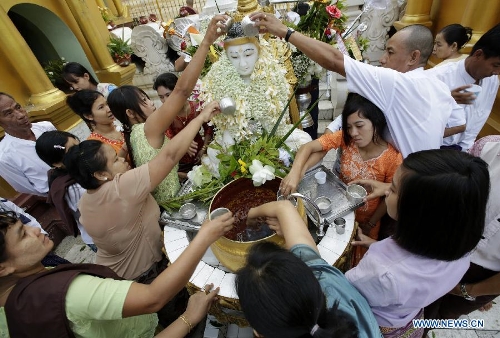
[234, 173]
[328, 32]
[333, 11]
[183, 45]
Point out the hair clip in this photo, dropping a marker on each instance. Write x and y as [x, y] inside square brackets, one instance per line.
[56, 146]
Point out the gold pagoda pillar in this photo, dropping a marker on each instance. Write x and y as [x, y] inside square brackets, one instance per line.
[480, 17]
[97, 37]
[26, 65]
[119, 7]
[417, 13]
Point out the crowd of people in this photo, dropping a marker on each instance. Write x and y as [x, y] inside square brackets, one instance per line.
[407, 134]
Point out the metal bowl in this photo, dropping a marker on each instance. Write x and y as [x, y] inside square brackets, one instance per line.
[188, 210]
[356, 193]
[232, 253]
[324, 204]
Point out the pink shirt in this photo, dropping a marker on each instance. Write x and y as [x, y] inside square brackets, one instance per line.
[397, 283]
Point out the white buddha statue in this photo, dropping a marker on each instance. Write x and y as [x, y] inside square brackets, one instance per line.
[248, 73]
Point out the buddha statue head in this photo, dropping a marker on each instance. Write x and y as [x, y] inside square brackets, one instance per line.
[242, 51]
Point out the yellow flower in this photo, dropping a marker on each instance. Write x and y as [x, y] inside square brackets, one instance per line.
[243, 168]
[240, 161]
[171, 31]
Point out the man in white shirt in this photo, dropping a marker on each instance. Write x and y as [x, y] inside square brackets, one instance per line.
[416, 105]
[20, 166]
[481, 67]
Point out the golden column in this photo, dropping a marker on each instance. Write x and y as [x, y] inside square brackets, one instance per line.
[480, 17]
[119, 7]
[20, 57]
[97, 37]
[417, 12]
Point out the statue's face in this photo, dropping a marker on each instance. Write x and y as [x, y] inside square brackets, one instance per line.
[243, 57]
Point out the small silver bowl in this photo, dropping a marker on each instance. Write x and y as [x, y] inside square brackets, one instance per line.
[324, 204]
[227, 106]
[356, 193]
[188, 210]
[217, 212]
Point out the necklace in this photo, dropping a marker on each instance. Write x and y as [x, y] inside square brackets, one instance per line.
[184, 119]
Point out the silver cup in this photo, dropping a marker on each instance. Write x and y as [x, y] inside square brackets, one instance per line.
[356, 193]
[188, 210]
[218, 212]
[339, 225]
[227, 106]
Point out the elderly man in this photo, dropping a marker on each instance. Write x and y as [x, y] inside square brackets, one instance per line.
[417, 106]
[20, 166]
[481, 67]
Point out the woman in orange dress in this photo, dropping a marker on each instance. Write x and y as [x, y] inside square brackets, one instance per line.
[362, 153]
[93, 109]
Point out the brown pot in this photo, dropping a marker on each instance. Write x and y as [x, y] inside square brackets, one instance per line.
[237, 197]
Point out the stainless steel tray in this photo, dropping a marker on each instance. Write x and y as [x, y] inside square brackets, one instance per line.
[175, 220]
[334, 189]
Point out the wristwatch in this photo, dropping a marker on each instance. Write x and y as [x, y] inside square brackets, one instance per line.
[289, 33]
[465, 294]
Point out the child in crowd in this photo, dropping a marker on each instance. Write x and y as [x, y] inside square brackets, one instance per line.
[79, 78]
[64, 192]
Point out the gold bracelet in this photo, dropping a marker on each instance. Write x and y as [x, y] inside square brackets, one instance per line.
[184, 319]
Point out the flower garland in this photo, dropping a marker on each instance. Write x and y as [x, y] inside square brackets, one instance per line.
[258, 104]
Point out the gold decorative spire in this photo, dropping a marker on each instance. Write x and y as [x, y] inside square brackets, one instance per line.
[244, 8]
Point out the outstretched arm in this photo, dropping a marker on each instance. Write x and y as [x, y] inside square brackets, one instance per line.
[283, 218]
[324, 54]
[161, 165]
[142, 298]
[160, 120]
[308, 155]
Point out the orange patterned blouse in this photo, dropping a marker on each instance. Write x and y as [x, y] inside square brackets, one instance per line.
[352, 167]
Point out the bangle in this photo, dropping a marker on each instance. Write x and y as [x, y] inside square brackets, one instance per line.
[204, 148]
[184, 319]
[289, 33]
[465, 294]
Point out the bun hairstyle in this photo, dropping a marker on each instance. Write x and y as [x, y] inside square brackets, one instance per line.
[456, 33]
[81, 103]
[83, 160]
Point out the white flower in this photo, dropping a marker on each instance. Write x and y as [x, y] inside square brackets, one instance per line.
[199, 176]
[227, 139]
[260, 173]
